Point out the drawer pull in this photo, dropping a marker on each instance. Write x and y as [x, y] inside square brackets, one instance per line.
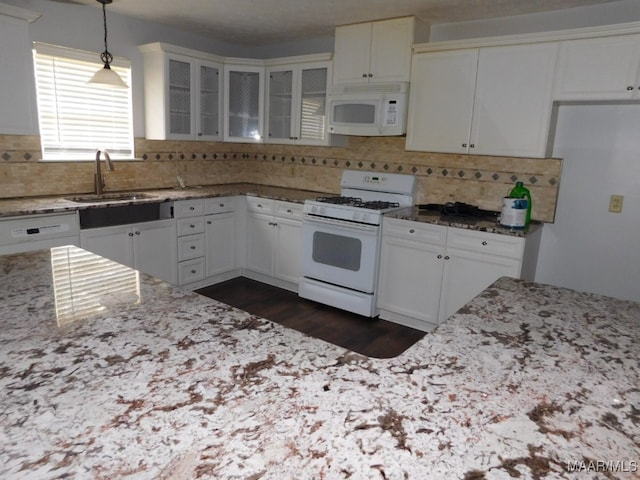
[137, 233]
[192, 226]
[193, 247]
[439, 256]
[629, 87]
[192, 208]
[209, 222]
[289, 210]
[446, 257]
[412, 231]
[485, 242]
[194, 271]
[130, 234]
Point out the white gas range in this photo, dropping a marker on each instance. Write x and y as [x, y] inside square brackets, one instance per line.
[341, 239]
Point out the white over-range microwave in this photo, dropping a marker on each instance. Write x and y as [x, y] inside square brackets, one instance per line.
[369, 110]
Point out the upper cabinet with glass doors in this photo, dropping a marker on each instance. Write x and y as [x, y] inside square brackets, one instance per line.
[296, 100]
[244, 101]
[183, 93]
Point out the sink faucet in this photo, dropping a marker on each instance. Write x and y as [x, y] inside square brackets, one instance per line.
[99, 179]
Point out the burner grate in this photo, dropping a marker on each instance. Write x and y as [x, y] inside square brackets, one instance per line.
[338, 200]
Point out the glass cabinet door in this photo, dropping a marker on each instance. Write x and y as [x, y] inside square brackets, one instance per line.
[313, 107]
[209, 104]
[245, 91]
[179, 97]
[280, 104]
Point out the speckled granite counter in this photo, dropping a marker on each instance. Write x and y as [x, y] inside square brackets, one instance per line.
[526, 381]
[487, 224]
[40, 205]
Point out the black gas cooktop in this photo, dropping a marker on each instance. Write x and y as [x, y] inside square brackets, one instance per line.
[358, 202]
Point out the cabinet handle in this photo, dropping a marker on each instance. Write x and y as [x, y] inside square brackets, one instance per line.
[137, 233]
[472, 145]
[364, 75]
[446, 257]
[412, 230]
[259, 205]
[193, 247]
[222, 205]
[464, 145]
[629, 87]
[199, 134]
[130, 234]
[192, 226]
[289, 210]
[208, 222]
[192, 208]
[370, 75]
[439, 256]
[193, 271]
[484, 243]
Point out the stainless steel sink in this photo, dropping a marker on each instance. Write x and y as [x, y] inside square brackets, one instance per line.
[109, 197]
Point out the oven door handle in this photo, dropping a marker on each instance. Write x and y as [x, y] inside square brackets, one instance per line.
[362, 227]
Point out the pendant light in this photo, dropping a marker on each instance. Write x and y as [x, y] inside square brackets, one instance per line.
[105, 76]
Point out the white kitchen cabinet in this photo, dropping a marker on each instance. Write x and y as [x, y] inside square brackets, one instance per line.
[441, 101]
[411, 272]
[244, 101]
[207, 239]
[296, 104]
[17, 95]
[499, 104]
[183, 93]
[220, 236]
[274, 233]
[606, 68]
[374, 52]
[149, 247]
[190, 242]
[427, 272]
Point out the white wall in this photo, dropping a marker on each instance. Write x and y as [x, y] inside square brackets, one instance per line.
[589, 248]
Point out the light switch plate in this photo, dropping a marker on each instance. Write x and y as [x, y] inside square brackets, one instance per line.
[615, 203]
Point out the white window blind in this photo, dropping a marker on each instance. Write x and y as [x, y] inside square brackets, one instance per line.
[86, 285]
[77, 118]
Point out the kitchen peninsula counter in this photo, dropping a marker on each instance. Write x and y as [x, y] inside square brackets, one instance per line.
[526, 381]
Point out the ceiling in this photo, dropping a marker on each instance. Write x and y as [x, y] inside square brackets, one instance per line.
[256, 22]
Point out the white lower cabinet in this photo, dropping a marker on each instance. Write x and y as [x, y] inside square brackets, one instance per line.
[207, 238]
[149, 247]
[427, 272]
[274, 232]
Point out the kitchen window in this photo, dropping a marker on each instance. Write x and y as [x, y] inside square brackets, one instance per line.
[77, 118]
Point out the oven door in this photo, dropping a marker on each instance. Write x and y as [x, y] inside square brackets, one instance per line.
[340, 253]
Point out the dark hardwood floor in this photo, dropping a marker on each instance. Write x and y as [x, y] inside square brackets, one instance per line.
[369, 336]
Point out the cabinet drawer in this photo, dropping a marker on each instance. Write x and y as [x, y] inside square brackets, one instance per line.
[188, 208]
[259, 205]
[191, 271]
[482, 242]
[190, 226]
[423, 232]
[220, 205]
[288, 209]
[191, 246]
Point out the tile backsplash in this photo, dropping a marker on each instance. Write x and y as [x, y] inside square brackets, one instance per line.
[479, 180]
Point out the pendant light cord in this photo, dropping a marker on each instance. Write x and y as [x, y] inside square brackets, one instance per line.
[105, 56]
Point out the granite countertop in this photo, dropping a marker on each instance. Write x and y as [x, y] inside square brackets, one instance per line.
[55, 204]
[483, 224]
[526, 381]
